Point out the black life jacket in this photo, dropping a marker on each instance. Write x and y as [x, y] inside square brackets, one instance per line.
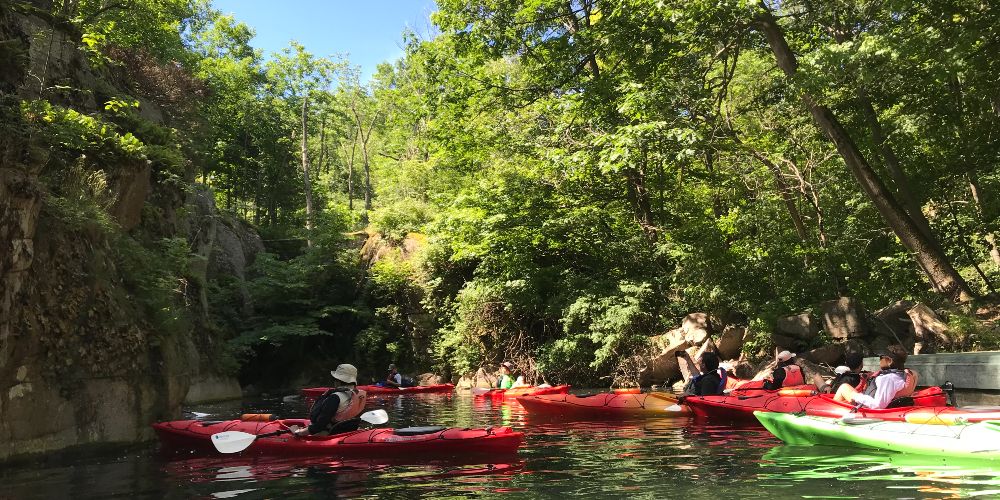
[692, 387]
[851, 378]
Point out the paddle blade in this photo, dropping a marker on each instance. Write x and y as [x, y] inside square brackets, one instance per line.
[232, 441]
[375, 417]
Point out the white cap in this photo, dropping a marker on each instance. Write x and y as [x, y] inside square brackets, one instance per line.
[785, 356]
[347, 374]
[840, 370]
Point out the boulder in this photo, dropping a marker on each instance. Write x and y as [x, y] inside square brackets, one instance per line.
[731, 341]
[830, 355]
[690, 365]
[742, 368]
[843, 318]
[880, 344]
[785, 343]
[801, 326]
[857, 345]
[429, 379]
[663, 367]
[810, 370]
[483, 377]
[928, 328]
[892, 321]
[696, 328]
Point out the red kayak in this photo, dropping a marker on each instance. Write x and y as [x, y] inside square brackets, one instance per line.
[315, 392]
[382, 443]
[606, 405]
[519, 391]
[741, 408]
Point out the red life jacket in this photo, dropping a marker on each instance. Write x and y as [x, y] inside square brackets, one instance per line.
[793, 376]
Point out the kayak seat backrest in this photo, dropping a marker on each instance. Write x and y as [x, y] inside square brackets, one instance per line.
[901, 402]
[416, 431]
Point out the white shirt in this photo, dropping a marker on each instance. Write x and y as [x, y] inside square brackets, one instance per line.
[397, 378]
[886, 387]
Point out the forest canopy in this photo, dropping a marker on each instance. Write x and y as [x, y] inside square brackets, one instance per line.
[556, 181]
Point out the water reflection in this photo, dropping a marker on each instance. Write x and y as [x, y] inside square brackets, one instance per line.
[939, 477]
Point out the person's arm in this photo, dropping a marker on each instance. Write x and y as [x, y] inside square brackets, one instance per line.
[393, 380]
[777, 378]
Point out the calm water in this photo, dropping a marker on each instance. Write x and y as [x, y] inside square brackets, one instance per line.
[637, 459]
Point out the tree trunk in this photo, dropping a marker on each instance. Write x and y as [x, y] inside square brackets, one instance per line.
[368, 179]
[322, 145]
[305, 172]
[942, 275]
[899, 178]
[350, 172]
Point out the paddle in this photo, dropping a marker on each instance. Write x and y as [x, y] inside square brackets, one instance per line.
[236, 441]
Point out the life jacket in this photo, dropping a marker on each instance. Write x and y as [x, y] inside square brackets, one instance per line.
[692, 386]
[793, 375]
[872, 385]
[850, 378]
[350, 403]
[910, 376]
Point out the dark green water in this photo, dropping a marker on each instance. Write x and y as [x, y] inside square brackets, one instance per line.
[637, 459]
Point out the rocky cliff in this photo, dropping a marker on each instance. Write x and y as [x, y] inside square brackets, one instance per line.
[105, 261]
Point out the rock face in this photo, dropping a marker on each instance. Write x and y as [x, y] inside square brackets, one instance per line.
[83, 359]
[222, 246]
[843, 318]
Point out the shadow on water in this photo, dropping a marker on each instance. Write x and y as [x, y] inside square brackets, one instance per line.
[642, 458]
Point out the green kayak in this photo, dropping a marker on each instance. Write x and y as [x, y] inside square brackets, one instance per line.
[980, 440]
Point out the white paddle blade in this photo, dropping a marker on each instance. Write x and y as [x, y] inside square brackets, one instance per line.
[232, 441]
[375, 417]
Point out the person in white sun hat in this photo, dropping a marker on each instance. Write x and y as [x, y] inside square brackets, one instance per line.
[334, 411]
[786, 374]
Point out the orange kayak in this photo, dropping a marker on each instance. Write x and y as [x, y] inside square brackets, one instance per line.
[609, 405]
[519, 391]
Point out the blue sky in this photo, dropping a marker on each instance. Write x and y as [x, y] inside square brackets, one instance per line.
[367, 31]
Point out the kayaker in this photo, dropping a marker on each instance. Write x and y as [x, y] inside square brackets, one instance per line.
[850, 373]
[712, 380]
[395, 379]
[520, 382]
[334, 411]
[786, 374]
[883, 386]
[506, 381]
